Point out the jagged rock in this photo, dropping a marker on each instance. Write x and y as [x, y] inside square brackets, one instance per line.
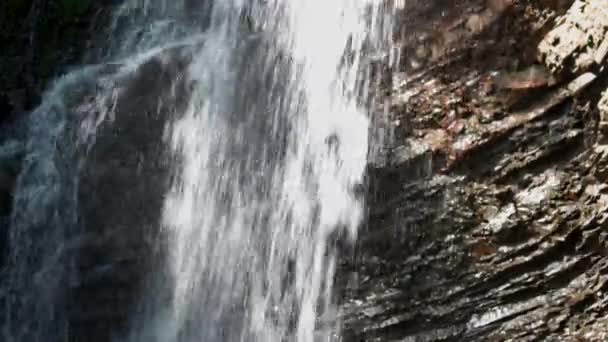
[506, 244]
[579, 39]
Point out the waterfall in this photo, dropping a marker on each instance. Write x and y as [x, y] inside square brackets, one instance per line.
[258, 107]
[272, 144]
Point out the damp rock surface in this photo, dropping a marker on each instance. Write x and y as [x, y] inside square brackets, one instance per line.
[488, 222]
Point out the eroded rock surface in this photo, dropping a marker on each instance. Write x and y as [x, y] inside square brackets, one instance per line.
[578, 41]
[488, 224]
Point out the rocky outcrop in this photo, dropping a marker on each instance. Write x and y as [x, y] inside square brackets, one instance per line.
[488, 222]
[578, 41]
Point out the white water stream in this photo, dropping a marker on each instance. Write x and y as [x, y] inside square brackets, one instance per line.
[252, 213]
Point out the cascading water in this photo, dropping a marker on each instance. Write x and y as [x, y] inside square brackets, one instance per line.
[269, 141]
[267, 176]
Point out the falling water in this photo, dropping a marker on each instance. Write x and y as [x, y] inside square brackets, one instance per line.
[269, 142]
[273, 144]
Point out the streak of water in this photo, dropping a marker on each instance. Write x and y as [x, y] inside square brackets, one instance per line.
[270, 146]
[273, 144]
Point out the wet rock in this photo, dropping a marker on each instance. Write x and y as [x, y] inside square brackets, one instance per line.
[127, 156]
[504, 244]
[81, 255]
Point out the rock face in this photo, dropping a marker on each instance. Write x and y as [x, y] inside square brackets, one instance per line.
[578, 41]
[122, 182]
[488, 223]
[86, 239]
